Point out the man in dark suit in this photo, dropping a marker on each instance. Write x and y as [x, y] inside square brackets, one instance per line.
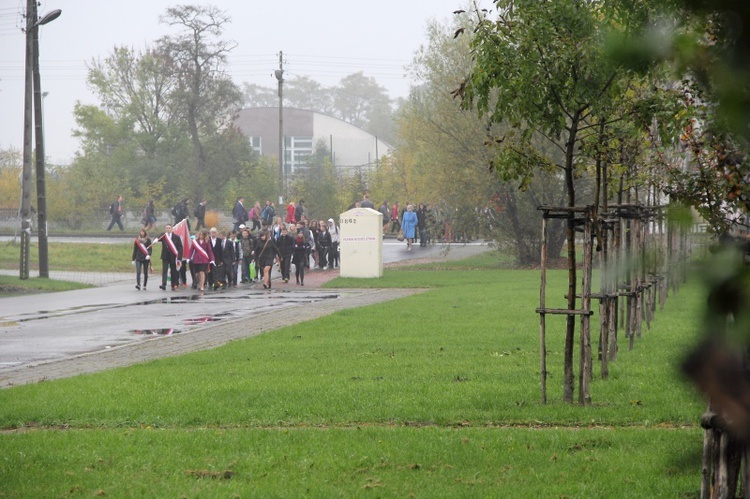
[299, 210]
[366, 202]
[171, 257]
[229, 259]
[181, 212]
[200, 213]
[216, 274]
[239, 213]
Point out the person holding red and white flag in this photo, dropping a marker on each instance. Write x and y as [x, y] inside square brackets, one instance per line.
[183, 231]
[171, 252]
[201, 256]
[141, 258]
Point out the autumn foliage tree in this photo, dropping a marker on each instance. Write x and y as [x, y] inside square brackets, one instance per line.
[541, 68]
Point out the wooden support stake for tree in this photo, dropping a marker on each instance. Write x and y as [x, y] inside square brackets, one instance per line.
[745, 484]
[614, 286]
[641, 273]
[706, 461]
[631, 287]
[614, 347]
[722, 485]
[604, 316]
[586, 374]
[542, 316]
[664, 259]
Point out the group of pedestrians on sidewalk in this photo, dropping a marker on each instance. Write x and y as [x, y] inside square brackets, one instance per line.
[218, 260]
[260, 240]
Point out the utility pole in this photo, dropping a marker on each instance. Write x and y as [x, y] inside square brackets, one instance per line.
[33, 86]
[41, 189]
[280, 76]
[26, 171]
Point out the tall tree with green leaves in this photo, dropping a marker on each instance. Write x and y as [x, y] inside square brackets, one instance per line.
[163, 128]
[11, 163]
[135, 127]
[135, 86]
[318, 184]
[256, 181]
[255, 95]
[355, 98]
[705, 45]
[448, 144]
[205, 95]
[103, 166]
[540, 67]
[303, 92]
[441, 144]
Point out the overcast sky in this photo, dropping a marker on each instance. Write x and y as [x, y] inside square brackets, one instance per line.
[324, 40]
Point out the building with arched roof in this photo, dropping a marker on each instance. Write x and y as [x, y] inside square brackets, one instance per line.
[351, 147]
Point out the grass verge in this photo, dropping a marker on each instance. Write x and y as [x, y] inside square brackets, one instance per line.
[76, 257]
[13, 286]
[435, 395]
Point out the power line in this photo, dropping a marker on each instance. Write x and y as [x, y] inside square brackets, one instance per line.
[239, 67]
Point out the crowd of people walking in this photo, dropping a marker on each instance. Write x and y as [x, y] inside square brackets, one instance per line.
[259, 241]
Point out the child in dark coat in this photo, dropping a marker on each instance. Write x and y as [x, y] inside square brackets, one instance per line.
[299, 257]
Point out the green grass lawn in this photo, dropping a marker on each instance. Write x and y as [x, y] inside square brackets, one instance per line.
[435, 395]
[13, 286]
[73, 256]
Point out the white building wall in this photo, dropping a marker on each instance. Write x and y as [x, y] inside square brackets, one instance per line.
[351, 146]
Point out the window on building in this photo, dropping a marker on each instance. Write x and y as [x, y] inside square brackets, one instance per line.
[256, 144]
[297, 151]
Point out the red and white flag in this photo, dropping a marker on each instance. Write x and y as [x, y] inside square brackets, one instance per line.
[201, 251]
[141, 247]
[168, 239]
[181, 229]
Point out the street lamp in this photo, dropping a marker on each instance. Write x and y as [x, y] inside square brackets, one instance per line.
[41, 189]
[32, 81]
[279, 73]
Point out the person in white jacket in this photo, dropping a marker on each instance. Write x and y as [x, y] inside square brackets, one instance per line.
[333, 254]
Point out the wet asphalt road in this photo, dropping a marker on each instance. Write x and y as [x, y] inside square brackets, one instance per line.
[46, 328]
[54, 326]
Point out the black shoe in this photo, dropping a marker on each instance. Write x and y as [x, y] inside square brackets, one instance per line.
[138, 286]
[163, 287]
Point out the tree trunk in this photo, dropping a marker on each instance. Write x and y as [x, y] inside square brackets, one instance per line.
[200, 178]
[570, 329]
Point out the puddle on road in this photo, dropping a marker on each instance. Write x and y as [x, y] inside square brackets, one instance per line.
[193, 321]
[155, 332]
[274, 299]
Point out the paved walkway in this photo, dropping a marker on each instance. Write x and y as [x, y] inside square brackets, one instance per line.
[212, 335]
[91, 278]
[190, 341]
